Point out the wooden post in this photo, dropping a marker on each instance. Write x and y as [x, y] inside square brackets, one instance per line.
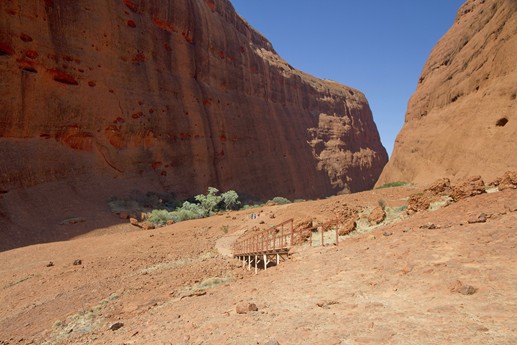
[256, 264]
[265, 262]
[249, 262]
[292, 233]
[277, 259]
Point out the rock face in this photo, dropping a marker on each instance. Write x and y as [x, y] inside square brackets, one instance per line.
[181, 93]
[462, 119]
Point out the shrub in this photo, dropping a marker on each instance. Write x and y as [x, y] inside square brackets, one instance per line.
[279, 200]
[160, 217]
[188, 211]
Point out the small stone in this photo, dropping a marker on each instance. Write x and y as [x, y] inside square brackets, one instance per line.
[50, 264]
[134, 221]
[116, 326]
[467, 290]
[273, 342]
[463, 289]
[147, 225]
[78, 262]
[244, 308]
[241, 309]
[326, 304]
[386, 233]
[479, 219]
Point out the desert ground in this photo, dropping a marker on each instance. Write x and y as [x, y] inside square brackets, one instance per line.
[446, 276]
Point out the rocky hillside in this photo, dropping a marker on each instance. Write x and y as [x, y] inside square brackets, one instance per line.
[462, 119]
[179, 94]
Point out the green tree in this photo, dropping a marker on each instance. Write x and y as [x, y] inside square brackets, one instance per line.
[230, 200]
[210, 201]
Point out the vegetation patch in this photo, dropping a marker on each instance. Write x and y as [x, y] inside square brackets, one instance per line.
[84, 322]
[279, 200]
[394, 184]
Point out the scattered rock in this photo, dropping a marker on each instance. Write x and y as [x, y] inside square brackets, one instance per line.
[429, 226]
[147, 225]
[326, 304]
[50, 264]
[508, 181]
[244, 308]
[78, 262]
[134, 222]
[116, 326]
[348, 226]
[479, 219]
[195, 294]
[468, 187]
[170, 222]
[386, 233]
[432, 194]
[440, 187]
[463, 289]
[273, 342]
[377, 216]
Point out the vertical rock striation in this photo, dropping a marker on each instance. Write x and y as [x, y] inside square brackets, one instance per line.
[462, 119]
[177, 94]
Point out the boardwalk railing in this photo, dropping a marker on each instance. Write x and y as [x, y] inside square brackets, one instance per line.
[276, 242]
[274, 239]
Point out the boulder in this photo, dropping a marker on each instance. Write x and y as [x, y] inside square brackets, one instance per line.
[467, 188]
[508, 181]
[377, 216]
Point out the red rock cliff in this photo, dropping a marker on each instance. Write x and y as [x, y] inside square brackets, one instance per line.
[462, 119]
[181, 93]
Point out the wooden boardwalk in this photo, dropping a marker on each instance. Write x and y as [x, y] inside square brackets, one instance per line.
[271, 246]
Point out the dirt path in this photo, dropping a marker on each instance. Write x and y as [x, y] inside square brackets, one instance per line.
[225, 243]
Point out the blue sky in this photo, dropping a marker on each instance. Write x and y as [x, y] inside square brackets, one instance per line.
[376, 46]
